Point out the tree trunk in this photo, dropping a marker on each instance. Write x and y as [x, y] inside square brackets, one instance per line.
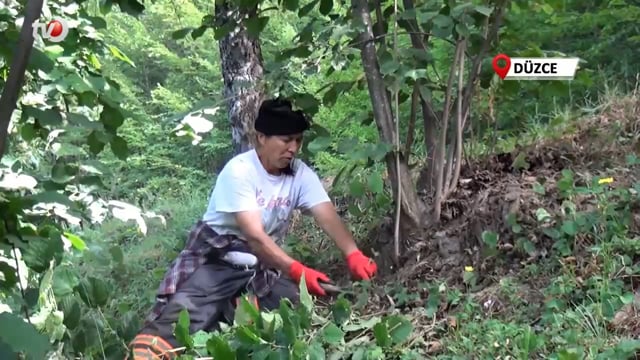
[427, 178]
[18, 67]
[242, 72]
[412, 207]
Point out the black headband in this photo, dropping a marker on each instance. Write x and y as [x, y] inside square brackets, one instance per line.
[276, 117]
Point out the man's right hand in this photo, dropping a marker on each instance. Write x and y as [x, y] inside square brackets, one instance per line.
[311, 277]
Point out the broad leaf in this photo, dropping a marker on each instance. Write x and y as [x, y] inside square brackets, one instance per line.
[326, 6]
[21, 336]
[220, 349]
[399, 328]
[181, 331]
[119, 147]
[255, 25]
[181, 33]
[76, 241]
[332, 334]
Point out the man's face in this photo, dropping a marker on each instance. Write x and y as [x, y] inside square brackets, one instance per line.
[281, 149]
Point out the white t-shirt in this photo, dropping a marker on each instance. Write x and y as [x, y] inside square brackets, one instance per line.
[244, 184]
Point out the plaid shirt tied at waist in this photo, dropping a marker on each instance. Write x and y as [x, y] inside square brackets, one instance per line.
[203, 243]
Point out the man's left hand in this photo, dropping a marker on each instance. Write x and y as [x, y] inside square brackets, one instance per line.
[361, 267]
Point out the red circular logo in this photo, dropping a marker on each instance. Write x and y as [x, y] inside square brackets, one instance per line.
[55, 28]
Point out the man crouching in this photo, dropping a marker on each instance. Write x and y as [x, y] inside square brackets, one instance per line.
[236, 247]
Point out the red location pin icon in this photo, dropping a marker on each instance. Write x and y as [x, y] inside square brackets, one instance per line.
[504, 70]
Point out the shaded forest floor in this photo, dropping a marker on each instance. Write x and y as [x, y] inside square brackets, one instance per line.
[537, 255]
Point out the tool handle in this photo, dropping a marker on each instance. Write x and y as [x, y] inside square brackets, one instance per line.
[329, 288]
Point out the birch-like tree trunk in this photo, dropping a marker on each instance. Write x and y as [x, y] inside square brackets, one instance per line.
[242, 72]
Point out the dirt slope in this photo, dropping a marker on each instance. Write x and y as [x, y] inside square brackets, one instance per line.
[503, 187]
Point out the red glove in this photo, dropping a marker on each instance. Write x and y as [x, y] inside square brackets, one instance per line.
[311, 277]
[361, 267]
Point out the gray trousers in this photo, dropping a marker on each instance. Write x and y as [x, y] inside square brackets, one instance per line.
[209, 296]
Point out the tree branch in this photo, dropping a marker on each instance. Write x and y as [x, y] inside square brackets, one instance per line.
[491, 35]
[415, 98]
[443, 135]
[458, 153]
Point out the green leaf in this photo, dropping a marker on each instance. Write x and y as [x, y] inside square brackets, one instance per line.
[569, 227]
[442, 21]
[131, 7]
[76, 241]
[320, 130]
[341, 311]
[28, 132]
[443, 25]
[399, 328]
[416, 74]
[425, 17]
[299, 349]
[316, 351]
[42, 250]
[111, 118]
[120, 55]
[490, 238]
[381, 334]
[308, 103]
[21, 336]
[65, 279]
[307, 8]
[246, 335]
[376, 185]
[62, 173]
[346, 145]
[10, 277]
[47, 117]
[304, 315]
[246, 313]
[305, 297]
[379, 151]
[462, 30]
[459, 9]
[72, 312]
[538, 188]
[99, 291]
[116, 254]
[291, 5]
[66, 149]
[570, 354]
[255, 25]
[221, 31]
[119, 147]
[181, 34]
[388, 64]
[319, 144]
[548, 9]
[332, 334]
[356, 188]
[40, 60]
[95, 144]
[181, 331]
[49, 197]
[289, 322]
[484, 10]
[199, 31]
[83, 121]
[326, 6]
